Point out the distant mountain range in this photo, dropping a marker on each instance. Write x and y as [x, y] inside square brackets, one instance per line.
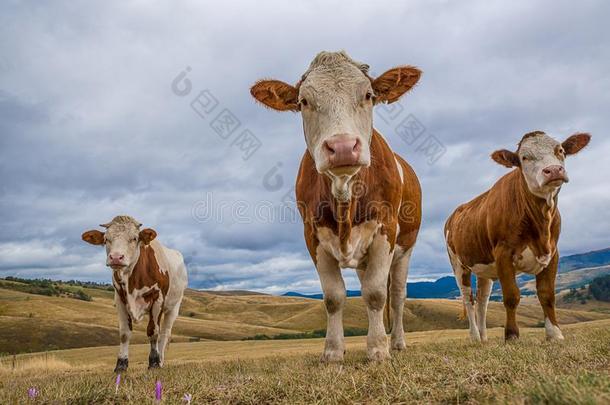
[445, 287]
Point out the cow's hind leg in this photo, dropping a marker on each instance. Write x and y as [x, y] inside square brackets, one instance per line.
[125, 326]
[333, 288]
[462, 279]
[398, 286]
[484, 286]
[166, 330]
[152, 331]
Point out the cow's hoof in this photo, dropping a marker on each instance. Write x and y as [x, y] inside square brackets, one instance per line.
[475, 337]
[332, 356]
[553, 333]
[121, 365]
[153, 360]
[511, 336]
[378, 355]
[398, 344]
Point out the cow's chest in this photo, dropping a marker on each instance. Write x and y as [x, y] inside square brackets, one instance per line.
[139, 301]
[356, 249]
[524, 262]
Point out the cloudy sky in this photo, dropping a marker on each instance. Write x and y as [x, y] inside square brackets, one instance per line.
[95, 121]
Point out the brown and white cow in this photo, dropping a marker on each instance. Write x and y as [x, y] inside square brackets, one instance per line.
[360, 202]
[513, 228]
[148, 279]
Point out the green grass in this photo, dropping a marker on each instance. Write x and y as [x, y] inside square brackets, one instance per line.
[576, 371]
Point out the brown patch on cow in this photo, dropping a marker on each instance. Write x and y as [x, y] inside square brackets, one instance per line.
[147, 273]
[385, 199]
[150, 329]
[124, 338]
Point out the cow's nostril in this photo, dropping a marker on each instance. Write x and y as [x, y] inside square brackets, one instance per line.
[329, 148]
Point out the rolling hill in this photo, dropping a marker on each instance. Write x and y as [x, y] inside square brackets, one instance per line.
[31, 322]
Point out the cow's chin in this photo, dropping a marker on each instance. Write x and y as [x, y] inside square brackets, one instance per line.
[117, 267]
[341, 171]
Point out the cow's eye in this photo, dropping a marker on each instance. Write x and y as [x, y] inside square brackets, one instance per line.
[134, 239]
[108, 240]
[303, 102]
[368, 96]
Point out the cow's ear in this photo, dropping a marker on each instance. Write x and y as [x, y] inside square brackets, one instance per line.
[147, 235]
[575, 143]
[391, 85]
[506, 158]
[276, 94]
[94, 237]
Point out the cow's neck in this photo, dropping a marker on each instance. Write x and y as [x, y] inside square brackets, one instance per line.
[540, 213]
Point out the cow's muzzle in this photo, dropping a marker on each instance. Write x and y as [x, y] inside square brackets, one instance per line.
[343, 150]
[555, 175]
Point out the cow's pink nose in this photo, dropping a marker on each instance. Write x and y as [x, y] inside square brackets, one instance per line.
[116, 258]
[555, 172]
[343, 150]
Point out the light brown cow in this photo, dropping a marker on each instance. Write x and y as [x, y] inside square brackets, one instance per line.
[360, 202]
[513, 228]
[148, 279]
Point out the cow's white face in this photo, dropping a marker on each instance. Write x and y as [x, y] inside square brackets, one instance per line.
[335, 97]
[541, 160]
[336, 105]
[122, 240]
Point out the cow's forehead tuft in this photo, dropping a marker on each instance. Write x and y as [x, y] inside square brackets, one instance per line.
[537, 142]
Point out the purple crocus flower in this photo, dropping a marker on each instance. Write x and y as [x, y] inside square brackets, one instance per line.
[32, 392]
[117, 383]
[187, 398]
[158, 391]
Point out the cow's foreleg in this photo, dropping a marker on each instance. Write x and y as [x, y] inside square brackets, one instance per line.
[333, 288]
[166, 330]
[152, 331]
[545, 288]
[374, 282]
[510, 291]
[398, 286]
[484, 286]
[125, 327]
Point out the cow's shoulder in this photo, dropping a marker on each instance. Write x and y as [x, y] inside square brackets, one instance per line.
[151, 268]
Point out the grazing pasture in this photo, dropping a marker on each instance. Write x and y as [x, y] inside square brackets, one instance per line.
[438, 366]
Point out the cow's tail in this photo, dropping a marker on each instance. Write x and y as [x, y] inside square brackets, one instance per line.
[387, 305]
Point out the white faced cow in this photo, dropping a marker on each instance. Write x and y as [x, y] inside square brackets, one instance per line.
[148, 279]
[513, 228]
[360, 202]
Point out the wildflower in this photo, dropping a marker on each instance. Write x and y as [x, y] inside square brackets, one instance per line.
[158, 391]
[32, 392]
[117, 383]
[187, 398]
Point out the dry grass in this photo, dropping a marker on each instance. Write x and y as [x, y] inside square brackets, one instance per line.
[38, 323]
[450, 370]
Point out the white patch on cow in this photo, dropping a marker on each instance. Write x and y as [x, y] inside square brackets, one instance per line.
[358, 244]
[488, 270]
[400, 172]
[552, 331]
[527, 262]
[341, 186]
